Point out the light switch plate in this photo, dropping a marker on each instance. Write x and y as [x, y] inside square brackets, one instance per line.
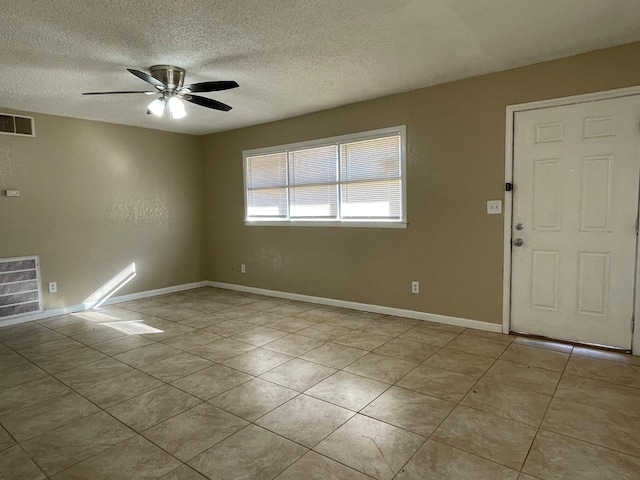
[494, 207]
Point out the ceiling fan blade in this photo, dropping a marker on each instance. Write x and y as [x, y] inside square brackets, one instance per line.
[124, 91]
[207, 102]
[147, 78]
[211, 86]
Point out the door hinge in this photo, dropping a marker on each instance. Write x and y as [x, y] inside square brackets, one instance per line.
[637, 225]
[633, 324]
[508, 187]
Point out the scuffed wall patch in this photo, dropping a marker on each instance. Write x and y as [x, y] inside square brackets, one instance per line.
[10, 165]
[413, 155]
[133, 208]
[272, 258]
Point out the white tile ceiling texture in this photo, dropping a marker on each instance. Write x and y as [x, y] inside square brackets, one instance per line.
[290, 57]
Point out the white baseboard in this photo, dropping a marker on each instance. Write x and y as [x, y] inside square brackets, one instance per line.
[86, 306]
[365, 307]
[159, 291]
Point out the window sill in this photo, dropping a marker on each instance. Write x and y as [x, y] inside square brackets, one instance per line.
[307, 223]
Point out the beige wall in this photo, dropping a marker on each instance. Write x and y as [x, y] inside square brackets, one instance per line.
[455, 135]
[95, 197]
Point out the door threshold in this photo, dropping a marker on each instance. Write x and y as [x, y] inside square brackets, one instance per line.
[605, 348]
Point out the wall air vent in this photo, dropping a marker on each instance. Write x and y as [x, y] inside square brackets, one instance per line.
[20, 291]
[17, 125]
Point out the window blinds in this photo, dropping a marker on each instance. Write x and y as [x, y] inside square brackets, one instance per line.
[352, 180]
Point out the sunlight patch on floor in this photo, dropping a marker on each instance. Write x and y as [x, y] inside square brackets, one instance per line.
[137, 327]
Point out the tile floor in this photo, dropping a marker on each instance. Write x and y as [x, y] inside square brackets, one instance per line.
[216, 384]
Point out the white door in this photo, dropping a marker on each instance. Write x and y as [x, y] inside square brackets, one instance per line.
[575, 206]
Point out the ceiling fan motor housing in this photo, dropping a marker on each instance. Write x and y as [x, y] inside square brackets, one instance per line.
[171, 76]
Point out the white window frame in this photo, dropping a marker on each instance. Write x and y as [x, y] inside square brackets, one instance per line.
[353, 137]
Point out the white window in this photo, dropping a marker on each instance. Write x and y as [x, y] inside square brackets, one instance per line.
[352, 180]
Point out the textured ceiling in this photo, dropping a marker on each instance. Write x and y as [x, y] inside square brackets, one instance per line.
[289, 56]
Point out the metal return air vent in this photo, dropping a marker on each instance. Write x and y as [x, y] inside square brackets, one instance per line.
[17, 125]
[20, 291]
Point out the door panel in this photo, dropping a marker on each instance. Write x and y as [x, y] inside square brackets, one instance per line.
[576, 175]
[546, 194]
[597, 190]
[593, 283]
[544, 279]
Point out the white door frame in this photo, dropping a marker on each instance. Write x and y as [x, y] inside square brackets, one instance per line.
[508, 197]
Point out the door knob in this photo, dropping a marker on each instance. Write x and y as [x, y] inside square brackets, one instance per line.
[519, 226]
[518, 242]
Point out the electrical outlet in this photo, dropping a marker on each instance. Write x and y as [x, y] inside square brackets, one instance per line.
[415, 287]
[53, 287]
[243, 268]
[494, 207]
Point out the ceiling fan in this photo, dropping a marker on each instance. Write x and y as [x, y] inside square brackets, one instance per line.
[169, 83]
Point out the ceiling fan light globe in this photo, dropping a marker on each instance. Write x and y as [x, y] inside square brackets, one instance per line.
[157, 107]
[176, 108]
